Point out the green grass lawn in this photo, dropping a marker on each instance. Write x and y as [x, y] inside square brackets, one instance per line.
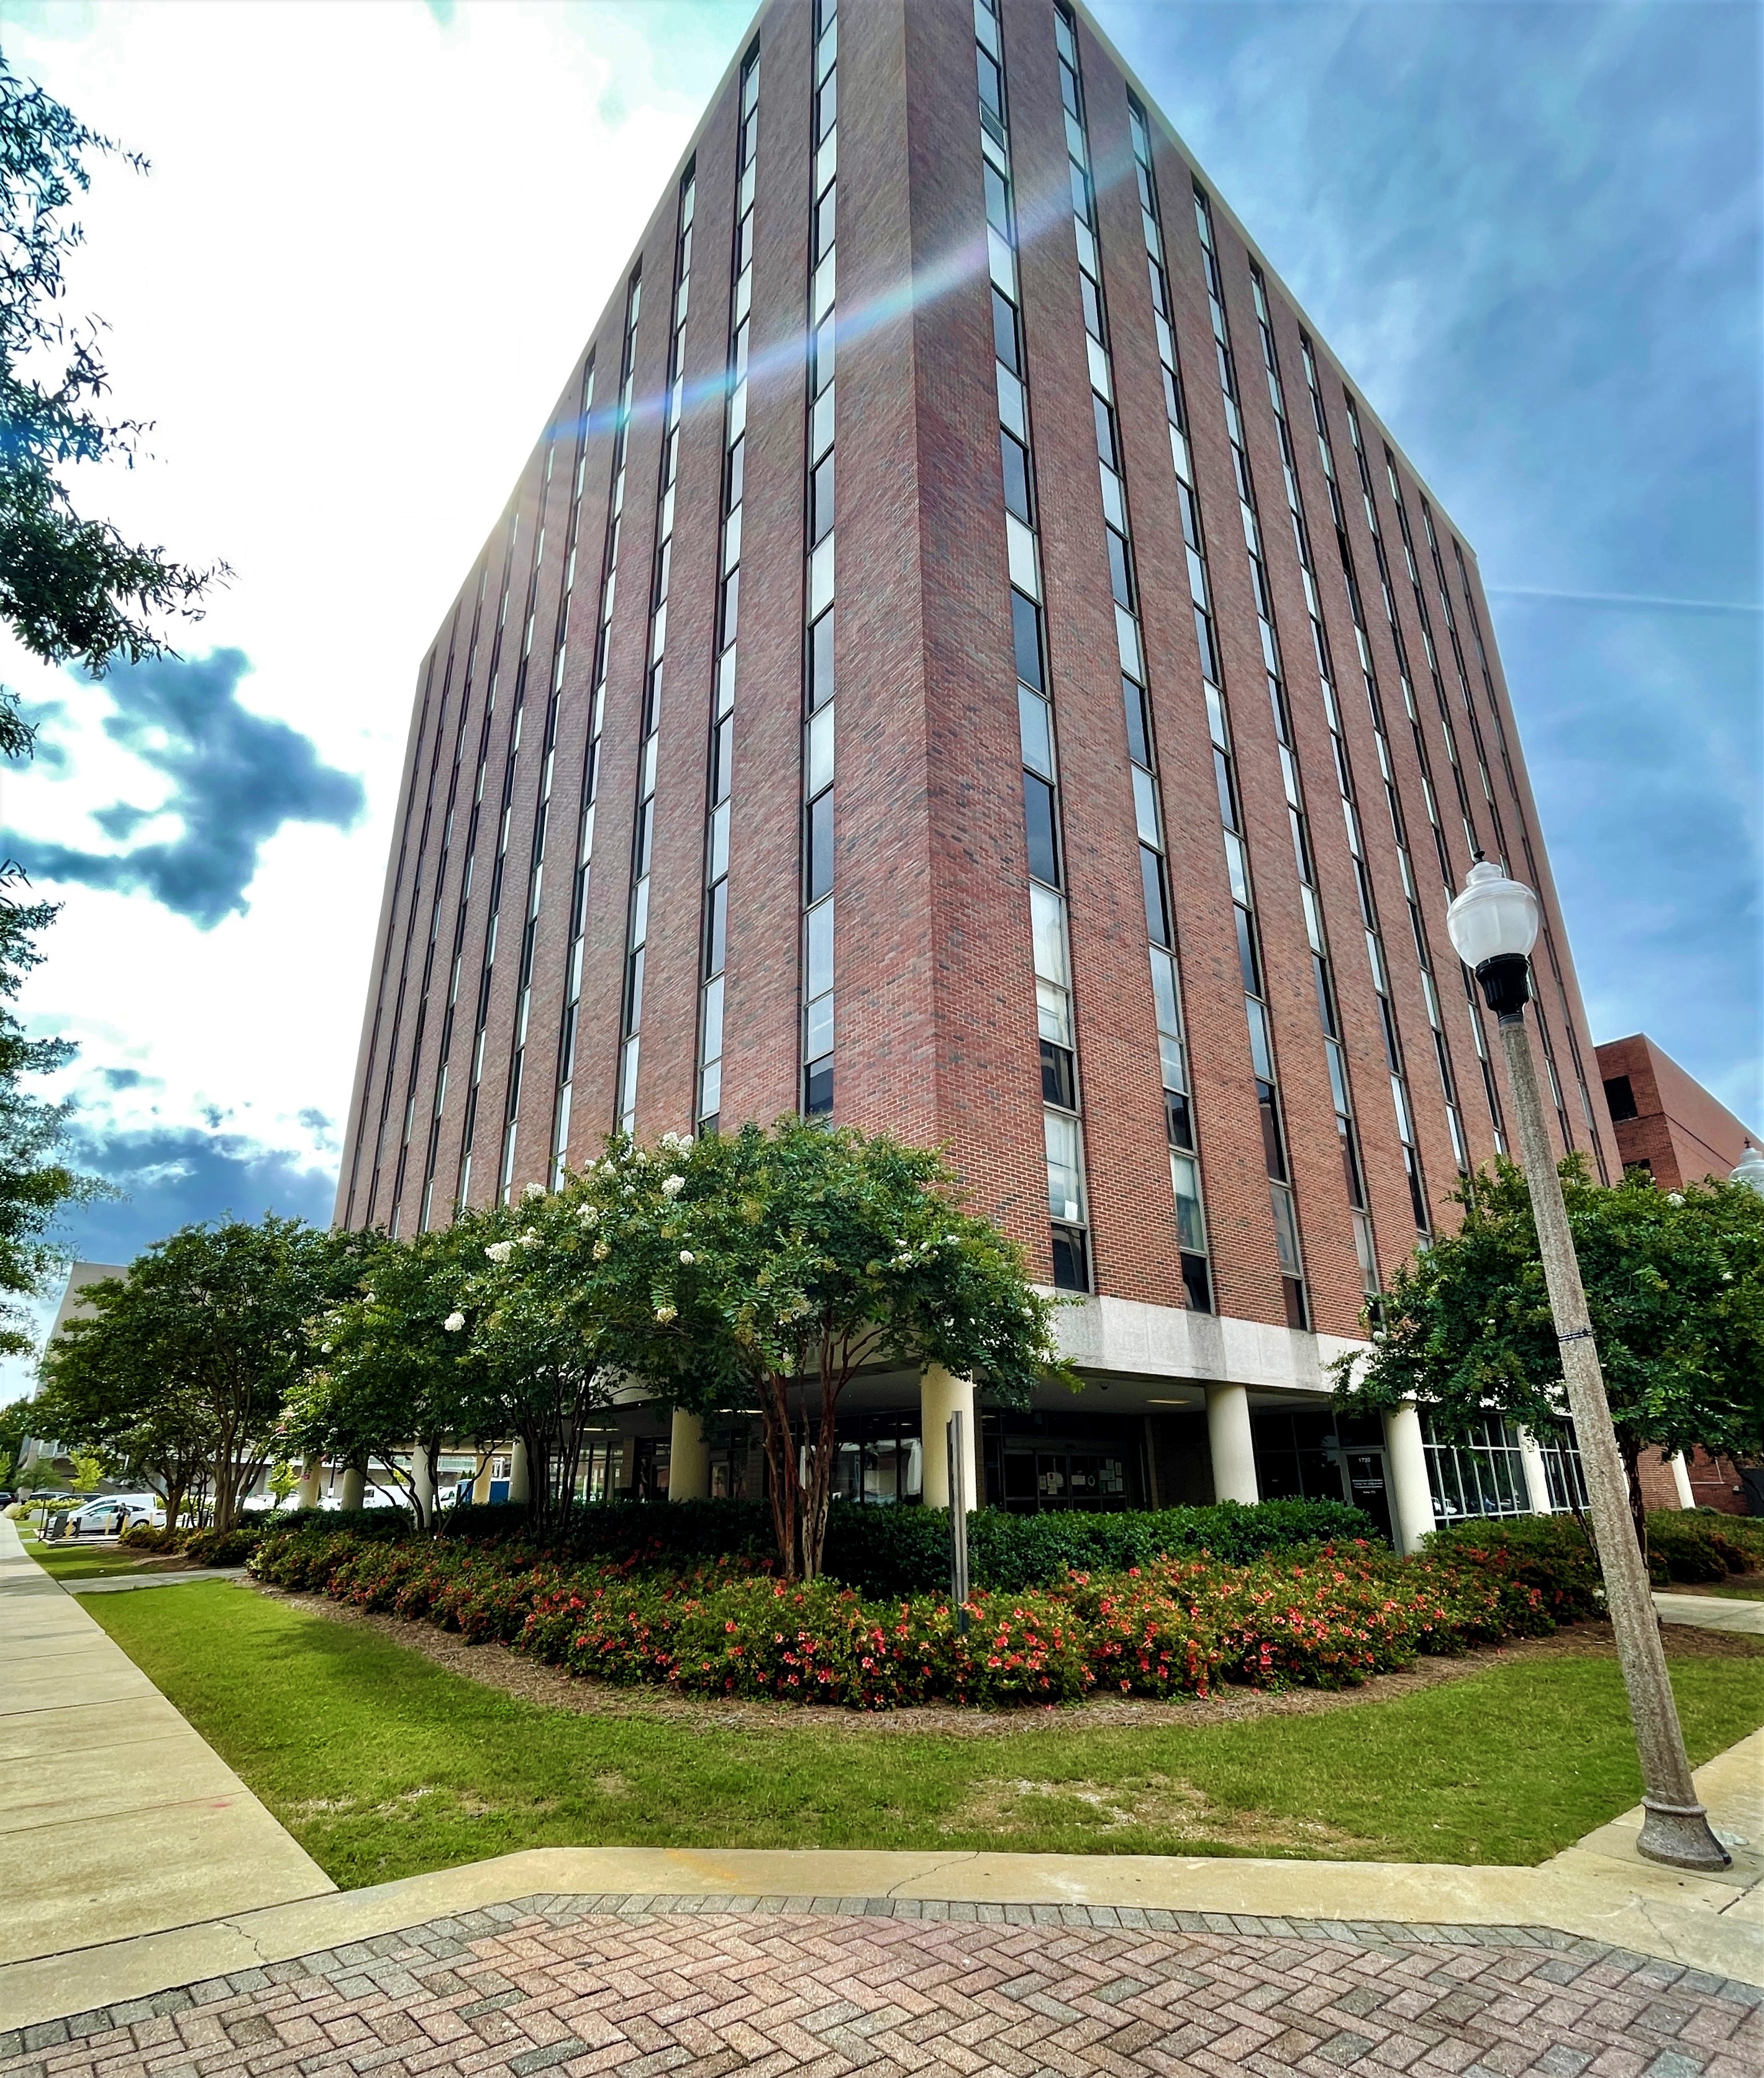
[69, 1561]
[383, 1764]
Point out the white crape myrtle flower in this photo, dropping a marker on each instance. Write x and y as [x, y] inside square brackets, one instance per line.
[588, 1214]
[453, 1323]
[1675, 1197]
[672, 1186]
[529, 1239]
[499, 1251]
[665, 1314]
[601, 1251]
[687, 1256]
[534, 1190]
[676, 1143]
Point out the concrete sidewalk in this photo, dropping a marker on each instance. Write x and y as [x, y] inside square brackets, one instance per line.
[1711, 1612]
[116, 1820]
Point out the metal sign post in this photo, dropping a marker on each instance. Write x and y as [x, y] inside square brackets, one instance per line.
[958, 1522]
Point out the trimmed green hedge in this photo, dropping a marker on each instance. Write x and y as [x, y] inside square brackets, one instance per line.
[905, 1550]
[1686, 1547]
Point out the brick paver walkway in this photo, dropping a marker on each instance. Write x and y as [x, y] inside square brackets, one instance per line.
[761, 1986]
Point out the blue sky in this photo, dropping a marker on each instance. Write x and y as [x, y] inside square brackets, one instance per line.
[367, 253]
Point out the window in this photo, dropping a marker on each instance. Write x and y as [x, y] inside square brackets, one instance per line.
[1620, 1098]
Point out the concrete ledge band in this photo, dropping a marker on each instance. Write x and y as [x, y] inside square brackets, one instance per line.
[357, 1965]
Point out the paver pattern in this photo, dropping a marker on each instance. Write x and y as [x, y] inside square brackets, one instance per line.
[706, 1986]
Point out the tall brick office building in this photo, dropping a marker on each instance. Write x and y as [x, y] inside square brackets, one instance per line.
[963, 659]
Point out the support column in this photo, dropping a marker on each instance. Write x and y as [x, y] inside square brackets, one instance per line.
[480, 1486]
[941, 1395]
[689, 1457]
[1681, 1480]
[1531, 1457]
[355, 1485]
[1232, 1444]
[422, 1484]
[306, 1493]
[517, 1488]
[1411, 1500]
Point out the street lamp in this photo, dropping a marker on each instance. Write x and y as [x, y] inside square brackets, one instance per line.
[1493, 925]
[1750, 1170]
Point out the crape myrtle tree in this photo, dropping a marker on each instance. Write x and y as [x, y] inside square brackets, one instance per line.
[392, 1371]
[221, 1313]
[1676, 1291]
[537, 1314]
[768, 1268]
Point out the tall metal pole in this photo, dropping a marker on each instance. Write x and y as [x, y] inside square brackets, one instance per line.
[1674, 1827]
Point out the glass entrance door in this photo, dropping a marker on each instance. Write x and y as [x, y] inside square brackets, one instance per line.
[1364, 1484]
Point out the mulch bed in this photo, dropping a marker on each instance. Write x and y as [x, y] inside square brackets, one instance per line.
[499, 1667]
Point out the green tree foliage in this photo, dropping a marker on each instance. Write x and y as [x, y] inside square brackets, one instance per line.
[767, 1268]
[1675, 1285]
[390, 1373]
[212, 1322]
[36, 1182]
[105, 1387]
[14, 1426]
[72, 589]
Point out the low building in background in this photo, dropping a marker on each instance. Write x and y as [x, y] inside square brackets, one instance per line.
[1666, 1121]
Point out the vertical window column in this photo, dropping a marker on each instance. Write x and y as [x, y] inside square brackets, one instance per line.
[1190, 1210]
[1531, 863]
[569, 1030]
[1249, 951]
[721, 776]
[1376, 959]
[643, 836]
[1375, 704]
[487, 966]
[535, 871]
[817, 953]
[1062, 1130]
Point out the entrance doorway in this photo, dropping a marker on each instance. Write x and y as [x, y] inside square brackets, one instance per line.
[1310, 1453]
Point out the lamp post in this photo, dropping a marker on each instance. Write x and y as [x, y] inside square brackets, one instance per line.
[1750, 1172]
[1493, 925]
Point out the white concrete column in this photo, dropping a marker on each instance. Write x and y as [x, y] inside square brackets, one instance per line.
[1232, 1444]
[480, 1486]
[1681, 1480]
[1411, 1501]
[941, 1395]
[355, 1485]
[518, 1489]
[422, 1482]
[689, 1457]
[306, 1493]
[1531, 1457]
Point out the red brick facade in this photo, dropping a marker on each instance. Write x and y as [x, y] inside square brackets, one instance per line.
[936, 1032]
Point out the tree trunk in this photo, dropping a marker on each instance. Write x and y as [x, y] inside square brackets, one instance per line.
[782, 1482]
[819, 1496]
[1630, 1450]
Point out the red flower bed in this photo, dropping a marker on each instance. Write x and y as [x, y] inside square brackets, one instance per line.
[1178, 1627]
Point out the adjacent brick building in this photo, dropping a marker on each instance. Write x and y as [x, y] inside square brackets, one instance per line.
[1667, 1124]
[1057, 733]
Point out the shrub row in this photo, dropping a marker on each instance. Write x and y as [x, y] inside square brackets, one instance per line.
[1180, 1625]
[207, 1547]
[1698, 1544]
[905, 1550]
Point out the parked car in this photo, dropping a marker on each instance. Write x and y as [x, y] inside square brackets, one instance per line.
[98, 1518]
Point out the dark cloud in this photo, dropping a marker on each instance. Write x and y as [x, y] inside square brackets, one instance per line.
[237, 778]
[125, 1079]
[172, 1176]
[1533, 235]
[313, 1120]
